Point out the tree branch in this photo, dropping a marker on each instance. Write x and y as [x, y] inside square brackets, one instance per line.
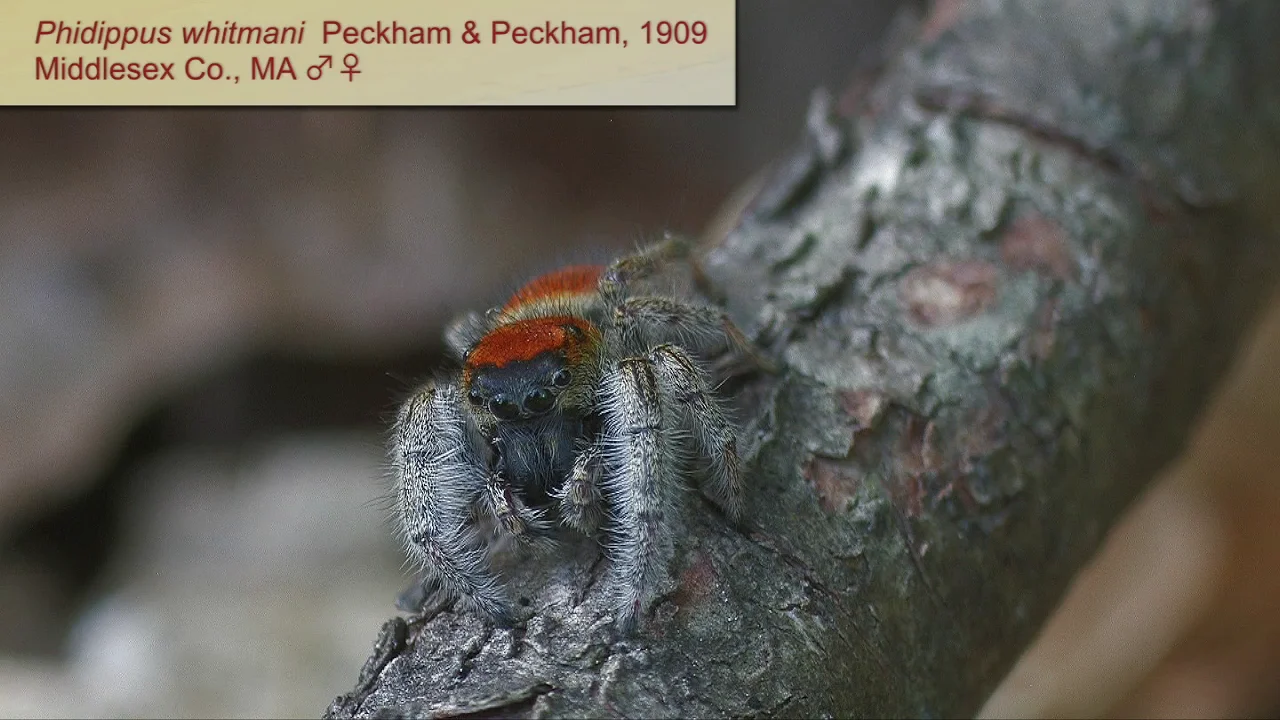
[1003, 277]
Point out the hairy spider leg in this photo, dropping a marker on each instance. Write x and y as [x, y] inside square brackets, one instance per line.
[439, 478]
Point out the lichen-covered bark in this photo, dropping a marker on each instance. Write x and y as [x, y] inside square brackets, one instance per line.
[1002, 278]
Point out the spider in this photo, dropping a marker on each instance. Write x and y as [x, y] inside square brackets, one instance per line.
[578, 401]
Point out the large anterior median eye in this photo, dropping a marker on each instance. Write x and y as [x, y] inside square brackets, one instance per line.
[504, 409]
[539, 401]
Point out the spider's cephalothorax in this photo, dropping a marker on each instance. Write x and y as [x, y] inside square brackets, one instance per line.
[579, 401]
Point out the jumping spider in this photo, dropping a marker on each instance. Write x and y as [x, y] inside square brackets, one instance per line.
[577, 400]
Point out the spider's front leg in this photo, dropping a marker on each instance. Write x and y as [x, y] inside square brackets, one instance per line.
[440, 476]
[640, 482]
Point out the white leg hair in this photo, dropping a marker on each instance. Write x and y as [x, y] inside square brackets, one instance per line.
[640, 483]
[439, 478]
[706, 421]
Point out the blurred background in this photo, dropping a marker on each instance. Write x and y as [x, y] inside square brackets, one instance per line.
[207, 319]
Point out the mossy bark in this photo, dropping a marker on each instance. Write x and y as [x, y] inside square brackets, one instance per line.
[1003, 274]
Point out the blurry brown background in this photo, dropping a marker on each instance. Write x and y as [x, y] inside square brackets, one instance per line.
[207, 317]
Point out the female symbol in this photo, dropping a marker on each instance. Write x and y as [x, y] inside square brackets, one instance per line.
[350, 60]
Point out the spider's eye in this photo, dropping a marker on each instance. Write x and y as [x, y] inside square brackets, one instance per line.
[475, 397]
[539, 401]
[561, 378]
[504, 409]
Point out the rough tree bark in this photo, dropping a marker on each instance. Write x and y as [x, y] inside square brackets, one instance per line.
[1003, 274]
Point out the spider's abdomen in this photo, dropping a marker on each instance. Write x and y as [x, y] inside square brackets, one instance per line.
[572, 291]
[575, 280]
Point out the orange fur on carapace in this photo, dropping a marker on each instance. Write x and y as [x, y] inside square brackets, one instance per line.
[572, 280]
[527, 339]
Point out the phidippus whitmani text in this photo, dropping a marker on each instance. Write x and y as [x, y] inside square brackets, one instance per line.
[582, 402]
